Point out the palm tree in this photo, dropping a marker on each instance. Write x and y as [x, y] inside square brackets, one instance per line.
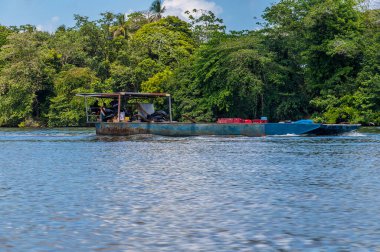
[120, 28]
[157, 9]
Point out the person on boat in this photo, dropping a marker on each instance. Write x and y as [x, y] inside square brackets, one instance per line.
[103, 116]
[105, 113]
[114, 105]
[95, 108]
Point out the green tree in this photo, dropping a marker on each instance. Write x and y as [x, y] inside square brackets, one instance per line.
[333, 31]
[119, 29]
[232, 78]
[188, 97]
[360, 104]
[205, 25]
[95, 37]
[166, 41]
[158, 45]
[334, 57]
[129, 78]
[158, 82]
[135, 21]
[25, 82]
[284, 36]
[66, 109]
[157, 9]
[4, 33]
[321, 43]
[69, 47]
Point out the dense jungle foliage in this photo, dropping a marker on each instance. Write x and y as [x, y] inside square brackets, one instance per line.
[315, 59]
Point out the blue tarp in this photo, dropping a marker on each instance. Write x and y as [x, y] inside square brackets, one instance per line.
[305, 121]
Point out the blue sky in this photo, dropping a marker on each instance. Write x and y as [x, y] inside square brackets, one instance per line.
[49, 14]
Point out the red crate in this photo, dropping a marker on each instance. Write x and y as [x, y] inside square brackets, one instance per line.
[248, 121]
[230, 120]
[225, 120]
[238, 120]
[259, 121]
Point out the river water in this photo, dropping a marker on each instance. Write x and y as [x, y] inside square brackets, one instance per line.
[70, 190]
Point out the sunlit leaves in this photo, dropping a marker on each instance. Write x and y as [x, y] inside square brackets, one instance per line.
[167, 41]
[26, 77]
[66, 109]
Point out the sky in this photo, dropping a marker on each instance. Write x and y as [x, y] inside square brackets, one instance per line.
[47, 15]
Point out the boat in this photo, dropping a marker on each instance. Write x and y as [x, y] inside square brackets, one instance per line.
[130, 116]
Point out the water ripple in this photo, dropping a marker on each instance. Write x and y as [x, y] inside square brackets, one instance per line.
[70, 190]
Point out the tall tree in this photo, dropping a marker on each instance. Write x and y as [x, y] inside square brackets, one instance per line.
[157, 9]
[362, 103]
[25, 82]
[334, 56]
[66, 109]
[4, 33]
[232, 78]
[323, 42]
[166, 41]
[69, 47]
[135, 21]
[205, 25]
[119, 29]
[284, 37]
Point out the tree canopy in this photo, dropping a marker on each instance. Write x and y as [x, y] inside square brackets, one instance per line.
[316, 59]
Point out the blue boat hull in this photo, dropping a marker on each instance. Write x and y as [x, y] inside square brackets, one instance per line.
[199, 129]
[334, 129]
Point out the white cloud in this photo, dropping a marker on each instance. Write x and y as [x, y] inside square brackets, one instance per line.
[55, 19]
[371, 4]
[375, 4]
[40, 27]
[49, 26]
[178, 7]
[130, 11]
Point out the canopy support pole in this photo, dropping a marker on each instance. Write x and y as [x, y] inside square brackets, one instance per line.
[85, 103]
[170, 108]
[118, 108]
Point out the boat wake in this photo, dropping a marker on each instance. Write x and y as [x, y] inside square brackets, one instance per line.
[34, 135]
[354, 134]
[288, 135]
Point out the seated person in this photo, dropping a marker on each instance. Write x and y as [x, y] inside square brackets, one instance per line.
[105, 113]
[114, 105]
[95, 109]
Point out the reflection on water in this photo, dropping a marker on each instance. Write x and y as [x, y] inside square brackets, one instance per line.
[70, 190]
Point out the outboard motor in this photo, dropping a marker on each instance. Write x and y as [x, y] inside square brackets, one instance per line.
[158, 116]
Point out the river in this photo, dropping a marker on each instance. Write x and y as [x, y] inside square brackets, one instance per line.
[70, 190]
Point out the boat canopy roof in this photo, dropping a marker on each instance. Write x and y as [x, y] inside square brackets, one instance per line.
[124, 94]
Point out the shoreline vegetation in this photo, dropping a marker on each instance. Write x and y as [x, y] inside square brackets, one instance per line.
[309, 59]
